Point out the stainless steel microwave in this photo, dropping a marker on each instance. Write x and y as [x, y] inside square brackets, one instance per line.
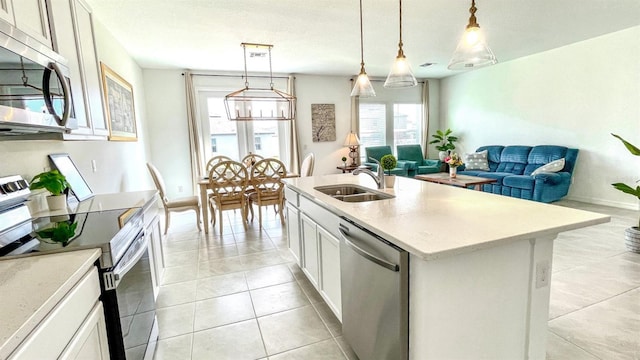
[35, 95]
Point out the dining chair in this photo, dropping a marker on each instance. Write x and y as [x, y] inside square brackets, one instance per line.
[306, 168]
[268, 188]
[251, 159]
[175, 205]
[228, 180]
[214, 160]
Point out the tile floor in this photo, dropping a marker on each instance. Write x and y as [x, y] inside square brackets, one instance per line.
[241, 296]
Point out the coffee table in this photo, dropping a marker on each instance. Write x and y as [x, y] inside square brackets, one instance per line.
[459, 180]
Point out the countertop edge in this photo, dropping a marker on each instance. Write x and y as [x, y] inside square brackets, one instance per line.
[13, 342]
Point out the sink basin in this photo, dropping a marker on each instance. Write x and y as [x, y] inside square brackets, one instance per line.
[353, 193]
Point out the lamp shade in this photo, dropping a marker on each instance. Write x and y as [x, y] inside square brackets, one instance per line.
[363, 87]
[472, 51]
[400, 75]
[352, 140]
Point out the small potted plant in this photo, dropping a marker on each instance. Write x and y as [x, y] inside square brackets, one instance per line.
[344, 161]
[445, 141]
[54, 182]
[454, 161]
[632, 234]
[389, 162]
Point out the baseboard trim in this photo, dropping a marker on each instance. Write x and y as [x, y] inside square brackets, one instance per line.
[596, 201]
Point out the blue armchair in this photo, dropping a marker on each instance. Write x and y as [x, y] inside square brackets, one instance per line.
[411, 156]
[377, 152]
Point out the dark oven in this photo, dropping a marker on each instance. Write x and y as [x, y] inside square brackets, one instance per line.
[125, 268]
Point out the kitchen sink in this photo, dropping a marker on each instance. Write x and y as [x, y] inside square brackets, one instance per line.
[352, 193]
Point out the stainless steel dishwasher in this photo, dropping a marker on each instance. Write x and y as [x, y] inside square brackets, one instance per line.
[375, 294]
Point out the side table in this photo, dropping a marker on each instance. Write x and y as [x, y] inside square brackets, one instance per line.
[350, 168]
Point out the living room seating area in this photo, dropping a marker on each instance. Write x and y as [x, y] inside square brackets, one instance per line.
[411, 161]
[540, 173]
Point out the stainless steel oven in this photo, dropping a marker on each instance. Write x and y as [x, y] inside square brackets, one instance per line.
[127, 295]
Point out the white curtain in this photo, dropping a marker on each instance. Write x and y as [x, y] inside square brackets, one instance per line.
[195, 145]
[425, 117]
[294, 144]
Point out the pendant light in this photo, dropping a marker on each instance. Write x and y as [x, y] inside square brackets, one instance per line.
[472, 50]
[250, 104]
[400, 75]
[363, 87]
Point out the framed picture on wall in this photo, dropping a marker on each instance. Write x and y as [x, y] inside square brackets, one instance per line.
[118, 95]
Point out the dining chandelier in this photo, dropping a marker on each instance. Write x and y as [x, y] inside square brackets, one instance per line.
[363, 87]
[472, 50]
[400, 75]
[250, 104]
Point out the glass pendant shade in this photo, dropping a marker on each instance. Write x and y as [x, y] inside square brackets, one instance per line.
[400, 75]
[363, 87]
[472, 51]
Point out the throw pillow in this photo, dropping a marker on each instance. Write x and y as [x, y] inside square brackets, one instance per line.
[553, 166]
[477, 161]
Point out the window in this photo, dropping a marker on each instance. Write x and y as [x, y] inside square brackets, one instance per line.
[257, 143]
[214, 147]
[393, 117]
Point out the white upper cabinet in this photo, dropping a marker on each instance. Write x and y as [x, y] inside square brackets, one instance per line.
[31, 17]
[6, 11]
[72, 30]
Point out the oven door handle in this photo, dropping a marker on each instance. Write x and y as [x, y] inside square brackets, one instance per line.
[123, 268]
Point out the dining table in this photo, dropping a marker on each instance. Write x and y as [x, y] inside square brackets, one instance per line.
[204, 186]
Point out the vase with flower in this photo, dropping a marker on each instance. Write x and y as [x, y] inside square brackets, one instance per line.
[453, 160]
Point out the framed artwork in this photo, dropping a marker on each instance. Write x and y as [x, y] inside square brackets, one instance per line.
[323, 122]
[118, 95]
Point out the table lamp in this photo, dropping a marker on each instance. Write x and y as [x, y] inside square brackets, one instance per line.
[353, 143]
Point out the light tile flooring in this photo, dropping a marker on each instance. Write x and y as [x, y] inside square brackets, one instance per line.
[240, 295]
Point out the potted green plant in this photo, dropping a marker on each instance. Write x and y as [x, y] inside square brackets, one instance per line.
[389, 162]
[445, 142]
[632, 234]
[344, 161]
[55, 183]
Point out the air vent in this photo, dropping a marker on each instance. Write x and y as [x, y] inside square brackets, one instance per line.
[258, 55]
[427, 64]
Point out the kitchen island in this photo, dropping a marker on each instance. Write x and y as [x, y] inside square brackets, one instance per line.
[479, 263]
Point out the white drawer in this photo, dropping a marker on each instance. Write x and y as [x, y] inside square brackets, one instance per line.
[292, 196]
[52, 335]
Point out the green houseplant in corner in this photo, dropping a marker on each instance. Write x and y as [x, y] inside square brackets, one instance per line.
[445, 142]
[55, 183]
[632, 234]
[389, 162]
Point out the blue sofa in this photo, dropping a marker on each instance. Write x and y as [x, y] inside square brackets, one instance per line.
[512, 166]
[415, 163]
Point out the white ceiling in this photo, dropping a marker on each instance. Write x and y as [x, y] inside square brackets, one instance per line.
[322, 36]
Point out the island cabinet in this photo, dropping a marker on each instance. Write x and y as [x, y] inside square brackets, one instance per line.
[63, 319]
[312, 235]
[479, 269]
[73, 38]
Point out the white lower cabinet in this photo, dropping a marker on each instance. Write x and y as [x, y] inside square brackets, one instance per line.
[153, 232]
[293, 232]
[74, 329]
[316, 247]
[6, 11]
[310, 249]
[330, 287]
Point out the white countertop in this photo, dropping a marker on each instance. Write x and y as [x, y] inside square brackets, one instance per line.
[32, 286]
[433, 221]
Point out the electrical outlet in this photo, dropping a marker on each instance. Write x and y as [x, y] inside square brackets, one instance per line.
[180, 188]
[542, 274]
[94, 167]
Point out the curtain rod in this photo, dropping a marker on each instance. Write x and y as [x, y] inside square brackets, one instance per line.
[239, 76]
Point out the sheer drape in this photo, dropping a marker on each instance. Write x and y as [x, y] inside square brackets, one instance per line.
[294, 147]
[195, 144]
[425, 117]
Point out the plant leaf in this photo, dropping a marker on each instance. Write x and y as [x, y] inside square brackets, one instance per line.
[627, 189]
[632, 149]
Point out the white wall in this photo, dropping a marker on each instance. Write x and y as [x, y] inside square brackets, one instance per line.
[120, 165]
[572, 96]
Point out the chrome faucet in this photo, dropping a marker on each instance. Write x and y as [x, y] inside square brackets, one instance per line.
[378, 178]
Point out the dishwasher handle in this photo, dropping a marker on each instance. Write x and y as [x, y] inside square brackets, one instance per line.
[367, 255]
